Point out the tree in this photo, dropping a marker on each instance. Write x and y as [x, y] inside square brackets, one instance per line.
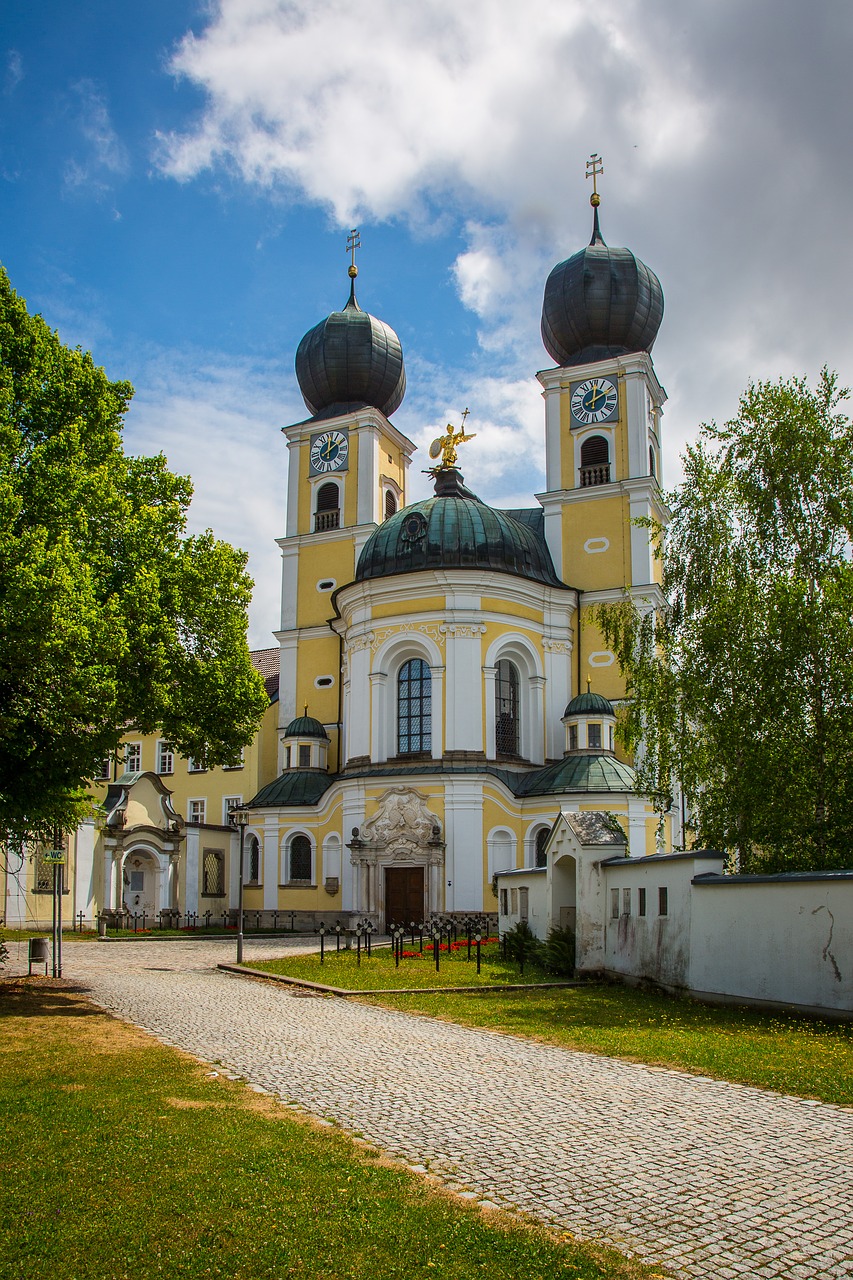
[741, 682]
[110, 615]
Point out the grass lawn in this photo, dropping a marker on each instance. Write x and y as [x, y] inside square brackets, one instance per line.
[341, 969]
[773, 1051]
[124, 1158]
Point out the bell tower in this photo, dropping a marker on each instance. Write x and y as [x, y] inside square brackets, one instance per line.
[347, 468]
[603, 402]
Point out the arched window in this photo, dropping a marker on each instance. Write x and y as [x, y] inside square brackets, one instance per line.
[254, 859]
[328, 515]
[651, 461]
[595, 461]
[541, 840]
[299, 860]
[506, 709]
[390, 504]
[414, 707]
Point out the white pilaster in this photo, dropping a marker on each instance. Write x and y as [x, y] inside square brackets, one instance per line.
[489, 678]
[463, 817]
[368, 475]
[293, 461]
[463, 723]
[381, 732]
[269, 854]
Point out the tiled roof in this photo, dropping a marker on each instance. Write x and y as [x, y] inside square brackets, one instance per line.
[267, 662]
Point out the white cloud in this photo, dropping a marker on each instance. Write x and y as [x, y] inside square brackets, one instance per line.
[103, 157]
[721, 128]
[219, 421]
[14, 72]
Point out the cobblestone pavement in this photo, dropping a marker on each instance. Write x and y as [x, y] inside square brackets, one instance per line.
[712, 1179]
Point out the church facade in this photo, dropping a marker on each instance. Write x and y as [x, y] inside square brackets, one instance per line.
[443, 692]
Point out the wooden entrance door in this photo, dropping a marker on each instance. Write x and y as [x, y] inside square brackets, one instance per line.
[404, 895]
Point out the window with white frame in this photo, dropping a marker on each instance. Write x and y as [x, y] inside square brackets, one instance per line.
[196, 812]
[229, 803]
[523, 903]
[253, 860]
[102, 770]
[414, 707]
[614, 904]
[626, 902]
[299, 859]
[196, 766]
[539, 856]
[593, 737]
[165, 757]
[238, 763]
[506, 709]
[133, 757]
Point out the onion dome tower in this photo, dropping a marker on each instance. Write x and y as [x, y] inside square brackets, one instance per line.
[306, 743]
[600, 303]
[350, 360]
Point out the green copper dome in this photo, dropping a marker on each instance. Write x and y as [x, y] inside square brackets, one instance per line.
[589, 703]
[306, 727]
[455, 530]
[584, 771]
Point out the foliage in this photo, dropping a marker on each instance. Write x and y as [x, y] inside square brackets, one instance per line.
[791, 1054]
[522, 945]
[555, 956]
[203, 1178]
[109, 614]
[741, 678]
[560, 953]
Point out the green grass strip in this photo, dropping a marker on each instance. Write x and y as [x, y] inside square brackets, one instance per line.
[124, 1159]
[789, 1054]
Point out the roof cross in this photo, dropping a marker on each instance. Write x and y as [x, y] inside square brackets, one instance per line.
[594, 168]
[353, 243]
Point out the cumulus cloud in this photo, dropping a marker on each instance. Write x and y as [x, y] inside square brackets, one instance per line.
[723, 130]
[219, 421]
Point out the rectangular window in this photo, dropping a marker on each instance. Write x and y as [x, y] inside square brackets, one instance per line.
[641, 902]
[196, 766]
[304, 757]
[137, 881]
[593, 736]
[287, 757]
[626, 902]
[504, 903]
[238, 763]
[573, 737]
[611, 737]
[513, 901]
[165, 758]
[523, 896]
[133, 757]
[663, 901]
[102, 770]
[213, 873]
[614, 904]
[195, 813]
[229, 803]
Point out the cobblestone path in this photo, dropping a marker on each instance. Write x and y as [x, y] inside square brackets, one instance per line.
[712, 1179]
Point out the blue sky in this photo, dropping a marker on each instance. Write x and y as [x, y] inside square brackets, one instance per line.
[178, 180]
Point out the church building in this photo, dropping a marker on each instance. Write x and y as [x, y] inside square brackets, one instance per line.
[443, 693]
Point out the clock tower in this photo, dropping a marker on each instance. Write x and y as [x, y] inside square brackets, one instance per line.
[600, 315]
[347, 470]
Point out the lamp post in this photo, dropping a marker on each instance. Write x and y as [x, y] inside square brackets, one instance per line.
[240, 817]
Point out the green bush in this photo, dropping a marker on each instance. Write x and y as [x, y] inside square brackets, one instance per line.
[560, 952]
[523, 945]
[556, 956]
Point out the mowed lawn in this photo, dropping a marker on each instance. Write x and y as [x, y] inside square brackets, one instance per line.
[416, 969]
[790, 1054]
[123, 1158]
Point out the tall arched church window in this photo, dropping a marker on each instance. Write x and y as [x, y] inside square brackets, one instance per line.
[506, 709]
[328, 513]
[651, 461]
[541, 841]
[254, 859]
[414, 707]
[595, 461]
[299, 860]
[390, 504]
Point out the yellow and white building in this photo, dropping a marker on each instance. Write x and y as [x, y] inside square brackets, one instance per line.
[432, 716]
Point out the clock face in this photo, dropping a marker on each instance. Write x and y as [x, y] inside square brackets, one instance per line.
[329, 452]
[594, 400]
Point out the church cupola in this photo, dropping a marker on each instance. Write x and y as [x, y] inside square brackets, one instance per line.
[590, 724]
[601, 302]
[351, 360]
[306, 744]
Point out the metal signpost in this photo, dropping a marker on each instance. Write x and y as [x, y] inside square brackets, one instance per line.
[56, 859]
[240, 817]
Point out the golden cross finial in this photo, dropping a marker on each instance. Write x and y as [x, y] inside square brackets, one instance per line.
[594, 168]
[353, 243]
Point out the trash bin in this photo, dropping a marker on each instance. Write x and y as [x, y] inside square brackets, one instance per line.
[38, 953]
[102, 926]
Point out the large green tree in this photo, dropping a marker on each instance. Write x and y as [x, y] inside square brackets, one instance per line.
[741, 683]
[110, 615]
